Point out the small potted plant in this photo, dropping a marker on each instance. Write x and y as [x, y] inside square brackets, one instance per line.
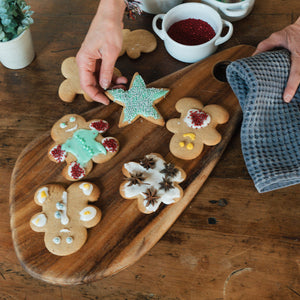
[16, 47]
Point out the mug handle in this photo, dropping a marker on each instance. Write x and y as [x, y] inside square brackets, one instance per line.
[240, 13]
[159, 32]
[228, 35]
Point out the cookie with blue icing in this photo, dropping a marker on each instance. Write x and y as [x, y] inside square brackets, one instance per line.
[80, 143]
[138, 101]
[66, 214]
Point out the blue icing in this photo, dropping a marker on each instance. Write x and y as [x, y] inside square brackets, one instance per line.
[84, 146]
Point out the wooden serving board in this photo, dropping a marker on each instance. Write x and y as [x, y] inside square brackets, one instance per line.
[124, 234]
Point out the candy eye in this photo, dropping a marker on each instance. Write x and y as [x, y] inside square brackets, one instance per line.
[57, 215]
[56, 240]
[60, 205]
[63, 125]
[69, 240]
[72, 119]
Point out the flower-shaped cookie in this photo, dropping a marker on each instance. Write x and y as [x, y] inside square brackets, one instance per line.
[65, 215]
[80, 143]
[195, 128]
[152, 182]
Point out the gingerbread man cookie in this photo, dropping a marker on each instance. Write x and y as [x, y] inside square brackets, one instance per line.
[195, 128]
[66, 215]
[137, 41]
[152, 182]
[80, 143]
[138, 101]
[70, 87]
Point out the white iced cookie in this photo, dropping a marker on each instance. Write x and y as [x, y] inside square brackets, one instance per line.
[152, 182]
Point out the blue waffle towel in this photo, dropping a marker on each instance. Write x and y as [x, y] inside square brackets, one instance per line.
[270, 133]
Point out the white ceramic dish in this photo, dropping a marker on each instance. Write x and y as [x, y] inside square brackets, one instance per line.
[232, 11]
[158, 6]
[185, 53]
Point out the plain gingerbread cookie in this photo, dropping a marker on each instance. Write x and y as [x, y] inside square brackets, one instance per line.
[137, 41]
[80, 143]
[66, 215]
[195, 128]
[70, 87]
[152, 182]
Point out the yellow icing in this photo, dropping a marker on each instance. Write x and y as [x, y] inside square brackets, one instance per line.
[181, 144]
[43, 194]
[87, 213]
[192, 136]
[190, 146]
[86, 186]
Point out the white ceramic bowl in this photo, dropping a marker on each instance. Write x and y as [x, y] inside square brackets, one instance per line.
[232, 11]
[185, 53]
[158, 6]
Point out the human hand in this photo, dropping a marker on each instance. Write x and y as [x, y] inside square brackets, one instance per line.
[100, 50]
[289, 38]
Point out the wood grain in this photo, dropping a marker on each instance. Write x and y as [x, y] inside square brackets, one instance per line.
[249, 251]
[124, 234]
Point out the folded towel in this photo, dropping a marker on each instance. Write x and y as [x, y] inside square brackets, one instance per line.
[270, 133]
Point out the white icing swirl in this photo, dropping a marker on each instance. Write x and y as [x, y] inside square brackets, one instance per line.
[190, 122]
[88, 213]
[153, 177]
[64, 218]
[42, 195]
[40, 220]
[86, 188]
[72, 129]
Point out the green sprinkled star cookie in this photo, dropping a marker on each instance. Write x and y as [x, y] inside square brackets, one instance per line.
[138, 101]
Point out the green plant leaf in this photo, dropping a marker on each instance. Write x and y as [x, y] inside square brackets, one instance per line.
[15, 17]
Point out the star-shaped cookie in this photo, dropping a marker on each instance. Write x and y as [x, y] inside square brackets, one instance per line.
[138, 101]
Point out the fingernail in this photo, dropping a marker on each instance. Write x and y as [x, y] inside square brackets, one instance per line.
[105, 84]
[287, 98]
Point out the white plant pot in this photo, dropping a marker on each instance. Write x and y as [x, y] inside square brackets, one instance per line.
[17, 53]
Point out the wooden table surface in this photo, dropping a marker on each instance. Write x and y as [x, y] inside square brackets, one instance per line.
[252, 250]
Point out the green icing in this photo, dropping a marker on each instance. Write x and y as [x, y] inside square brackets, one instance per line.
[83, 145]
[138, 100]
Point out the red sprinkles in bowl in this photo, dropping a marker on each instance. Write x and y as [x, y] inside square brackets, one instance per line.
[191, 32]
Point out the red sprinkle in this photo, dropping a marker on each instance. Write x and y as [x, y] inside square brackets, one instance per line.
[58, 154]
[100, 126]
[76, 171]
[191, 32]
[110, 145]
[198, 117]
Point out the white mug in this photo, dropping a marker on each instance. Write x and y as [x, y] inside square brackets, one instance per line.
[232, 11]
[185, 53]
[158, 6]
